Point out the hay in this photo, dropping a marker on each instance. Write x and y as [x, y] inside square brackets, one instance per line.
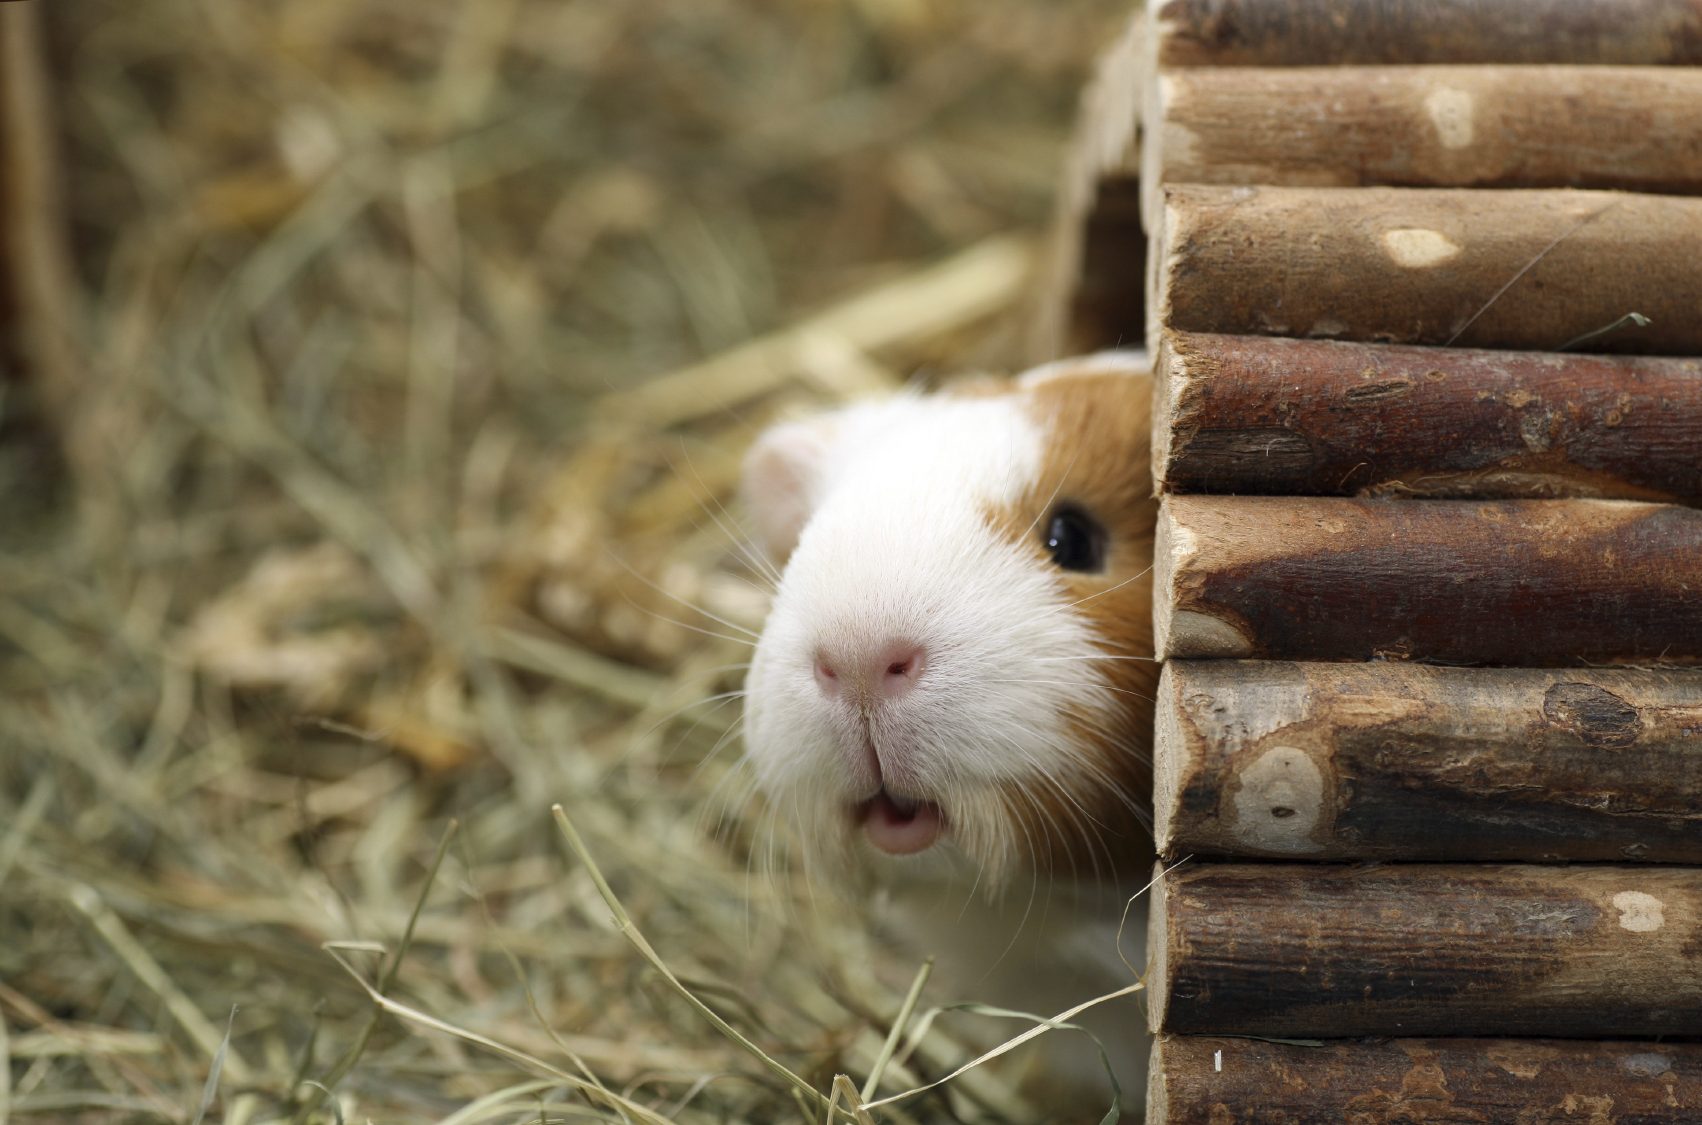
[428, 336]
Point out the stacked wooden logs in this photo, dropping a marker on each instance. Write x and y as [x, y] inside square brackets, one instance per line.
[1429, 567]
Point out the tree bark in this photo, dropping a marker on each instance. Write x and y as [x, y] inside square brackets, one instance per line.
[1255, 414]
[1344, 32]
[1511, 269]
[1516, 582]
[1637, 128]
[1215, 1081]
[1298, 950]
[1404, 761]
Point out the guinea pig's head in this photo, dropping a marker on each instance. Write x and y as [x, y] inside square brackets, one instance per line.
[958, 660]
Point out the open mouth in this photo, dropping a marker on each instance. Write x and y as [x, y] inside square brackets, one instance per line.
[900, 825]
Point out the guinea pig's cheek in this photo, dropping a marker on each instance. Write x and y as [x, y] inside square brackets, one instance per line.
[788, 737]
[766, 735]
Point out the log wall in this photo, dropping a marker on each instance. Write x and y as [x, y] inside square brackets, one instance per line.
[1421, 280]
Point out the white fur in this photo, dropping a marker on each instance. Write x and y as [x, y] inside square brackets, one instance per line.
[893, 499]
[899, 545]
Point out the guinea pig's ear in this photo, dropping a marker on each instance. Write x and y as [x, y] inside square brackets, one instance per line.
[782, 481]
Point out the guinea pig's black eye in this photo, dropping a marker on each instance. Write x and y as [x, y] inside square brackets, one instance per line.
[1075, 539]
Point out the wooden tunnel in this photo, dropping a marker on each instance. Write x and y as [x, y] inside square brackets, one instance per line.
[1422, 284]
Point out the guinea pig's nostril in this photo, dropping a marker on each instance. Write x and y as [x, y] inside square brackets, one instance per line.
[903, 666]
[886, 672]
[827, 677]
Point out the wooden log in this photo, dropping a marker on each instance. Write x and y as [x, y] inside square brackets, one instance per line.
[1344, 32]
[1515, 582]
[1407, 761]
[1268, 415]
[1638, 128]
[1512, 269]
[1200, 1080]
[1087, 305]
[1299, 950]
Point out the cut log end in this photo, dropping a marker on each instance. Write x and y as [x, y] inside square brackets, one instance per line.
[1166, 380]
[1162, 264]
[1169, 755]
[1177, 629]
[1158, 950]
[1203, 635]
[1157, 1093]
[1163, 575]
[1158, 94]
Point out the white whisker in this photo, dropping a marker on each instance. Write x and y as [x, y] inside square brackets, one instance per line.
[669, 594]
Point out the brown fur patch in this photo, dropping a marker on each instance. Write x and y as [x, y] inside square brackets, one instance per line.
[1099, 459]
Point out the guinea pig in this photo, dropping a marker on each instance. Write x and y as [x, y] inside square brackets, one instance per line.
[954, 684]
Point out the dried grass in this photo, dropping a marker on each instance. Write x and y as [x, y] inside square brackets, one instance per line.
[428, 336]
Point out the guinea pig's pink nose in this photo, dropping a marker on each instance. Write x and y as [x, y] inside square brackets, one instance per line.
[886, 673]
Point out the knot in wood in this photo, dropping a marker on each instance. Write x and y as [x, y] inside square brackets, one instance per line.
[1594, 714]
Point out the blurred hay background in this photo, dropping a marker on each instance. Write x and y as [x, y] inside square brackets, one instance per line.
[416, 344]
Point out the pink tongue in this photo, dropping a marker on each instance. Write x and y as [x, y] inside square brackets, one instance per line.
[898, 833]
